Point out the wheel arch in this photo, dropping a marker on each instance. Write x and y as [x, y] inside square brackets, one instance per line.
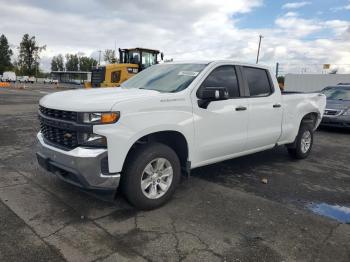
[174, 139]
[312, 119]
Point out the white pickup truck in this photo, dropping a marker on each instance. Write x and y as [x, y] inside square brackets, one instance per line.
[167, 120]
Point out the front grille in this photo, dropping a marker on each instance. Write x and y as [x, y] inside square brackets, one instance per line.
[59, 114]
[64, 138]
[332, 112]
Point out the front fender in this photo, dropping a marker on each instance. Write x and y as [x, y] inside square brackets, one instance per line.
[120, 139]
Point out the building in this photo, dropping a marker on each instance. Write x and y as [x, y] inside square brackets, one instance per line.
[313, 82]
[73, 77]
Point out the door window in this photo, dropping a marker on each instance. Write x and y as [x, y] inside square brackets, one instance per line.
[258, 81]
[223, 76]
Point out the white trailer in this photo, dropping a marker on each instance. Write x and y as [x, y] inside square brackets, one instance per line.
[313, 82]
[9, 76]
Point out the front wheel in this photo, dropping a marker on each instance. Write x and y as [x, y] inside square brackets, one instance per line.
[302, 145]
[152, 174]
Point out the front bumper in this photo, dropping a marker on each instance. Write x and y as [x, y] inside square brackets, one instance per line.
[86, 168]
[336, 121]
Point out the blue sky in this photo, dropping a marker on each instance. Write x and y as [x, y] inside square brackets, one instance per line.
[265, 15]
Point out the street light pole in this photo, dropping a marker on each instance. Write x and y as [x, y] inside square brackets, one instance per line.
[257, 56]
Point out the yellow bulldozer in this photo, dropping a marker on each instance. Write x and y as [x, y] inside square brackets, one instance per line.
[131, 61]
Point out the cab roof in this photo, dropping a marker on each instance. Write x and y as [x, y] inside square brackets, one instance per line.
[224, 61]
[141, 49]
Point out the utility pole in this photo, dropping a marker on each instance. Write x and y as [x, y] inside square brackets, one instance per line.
[36, 70]
[277, 68]
[99, 56]
[115, 51]
[257, 56]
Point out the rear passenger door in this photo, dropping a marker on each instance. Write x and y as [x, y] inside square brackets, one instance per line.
[221, 128]
[265, 108]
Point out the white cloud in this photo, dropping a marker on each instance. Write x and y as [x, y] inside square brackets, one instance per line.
[340, 8]
[295, 5]
[291, 14]
[316, 51]
[198, 29]
[339, 27]
[296, 26]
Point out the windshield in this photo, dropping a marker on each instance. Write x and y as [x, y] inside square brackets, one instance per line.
[148, 59]
[167, 78]
[337, 93]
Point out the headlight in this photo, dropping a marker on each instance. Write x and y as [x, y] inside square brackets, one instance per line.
[94, 140]
[101, 118]
[133, 70]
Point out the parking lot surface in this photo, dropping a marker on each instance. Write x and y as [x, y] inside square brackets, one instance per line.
[223, 212]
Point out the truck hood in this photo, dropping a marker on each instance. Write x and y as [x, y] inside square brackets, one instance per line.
[88, 100]
[338, 104]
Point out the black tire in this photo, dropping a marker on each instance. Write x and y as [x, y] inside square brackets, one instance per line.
[297, 149]
[136, 163]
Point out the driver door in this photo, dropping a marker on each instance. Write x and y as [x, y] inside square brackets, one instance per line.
[221, 128]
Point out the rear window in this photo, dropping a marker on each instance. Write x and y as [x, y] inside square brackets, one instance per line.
[258, 81]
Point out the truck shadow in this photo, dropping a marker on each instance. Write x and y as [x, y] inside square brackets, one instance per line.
[244, 165]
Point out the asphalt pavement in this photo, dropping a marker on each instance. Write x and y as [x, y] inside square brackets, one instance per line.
[254, 208]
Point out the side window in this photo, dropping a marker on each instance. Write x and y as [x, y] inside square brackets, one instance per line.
[258, 81]
[115, 76]
[223, 76]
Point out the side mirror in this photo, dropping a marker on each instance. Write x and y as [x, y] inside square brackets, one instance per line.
[213, 93]
[209, 94]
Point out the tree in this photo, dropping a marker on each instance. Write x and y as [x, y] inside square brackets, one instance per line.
[57, 63]
[109, 56]
[280, 79]
[29, 55]
[72, 62]
[5, 55]
[86, 63]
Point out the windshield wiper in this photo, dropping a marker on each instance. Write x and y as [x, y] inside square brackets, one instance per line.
[149, 89]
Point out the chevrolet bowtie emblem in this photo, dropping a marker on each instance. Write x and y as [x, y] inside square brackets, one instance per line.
[67, 135]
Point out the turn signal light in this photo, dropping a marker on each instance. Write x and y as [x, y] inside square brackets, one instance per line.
[107, 118]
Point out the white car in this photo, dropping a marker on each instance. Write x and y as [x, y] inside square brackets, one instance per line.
[32, 79]
[167, 120]
[23, 79]
[50, 81]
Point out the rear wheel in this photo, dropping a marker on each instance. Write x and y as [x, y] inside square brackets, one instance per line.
[152, 174]
[302, 145]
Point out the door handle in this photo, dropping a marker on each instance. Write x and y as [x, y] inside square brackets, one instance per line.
[241, 108]
[277, 105]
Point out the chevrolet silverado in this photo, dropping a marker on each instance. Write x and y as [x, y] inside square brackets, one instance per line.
[167, 120]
